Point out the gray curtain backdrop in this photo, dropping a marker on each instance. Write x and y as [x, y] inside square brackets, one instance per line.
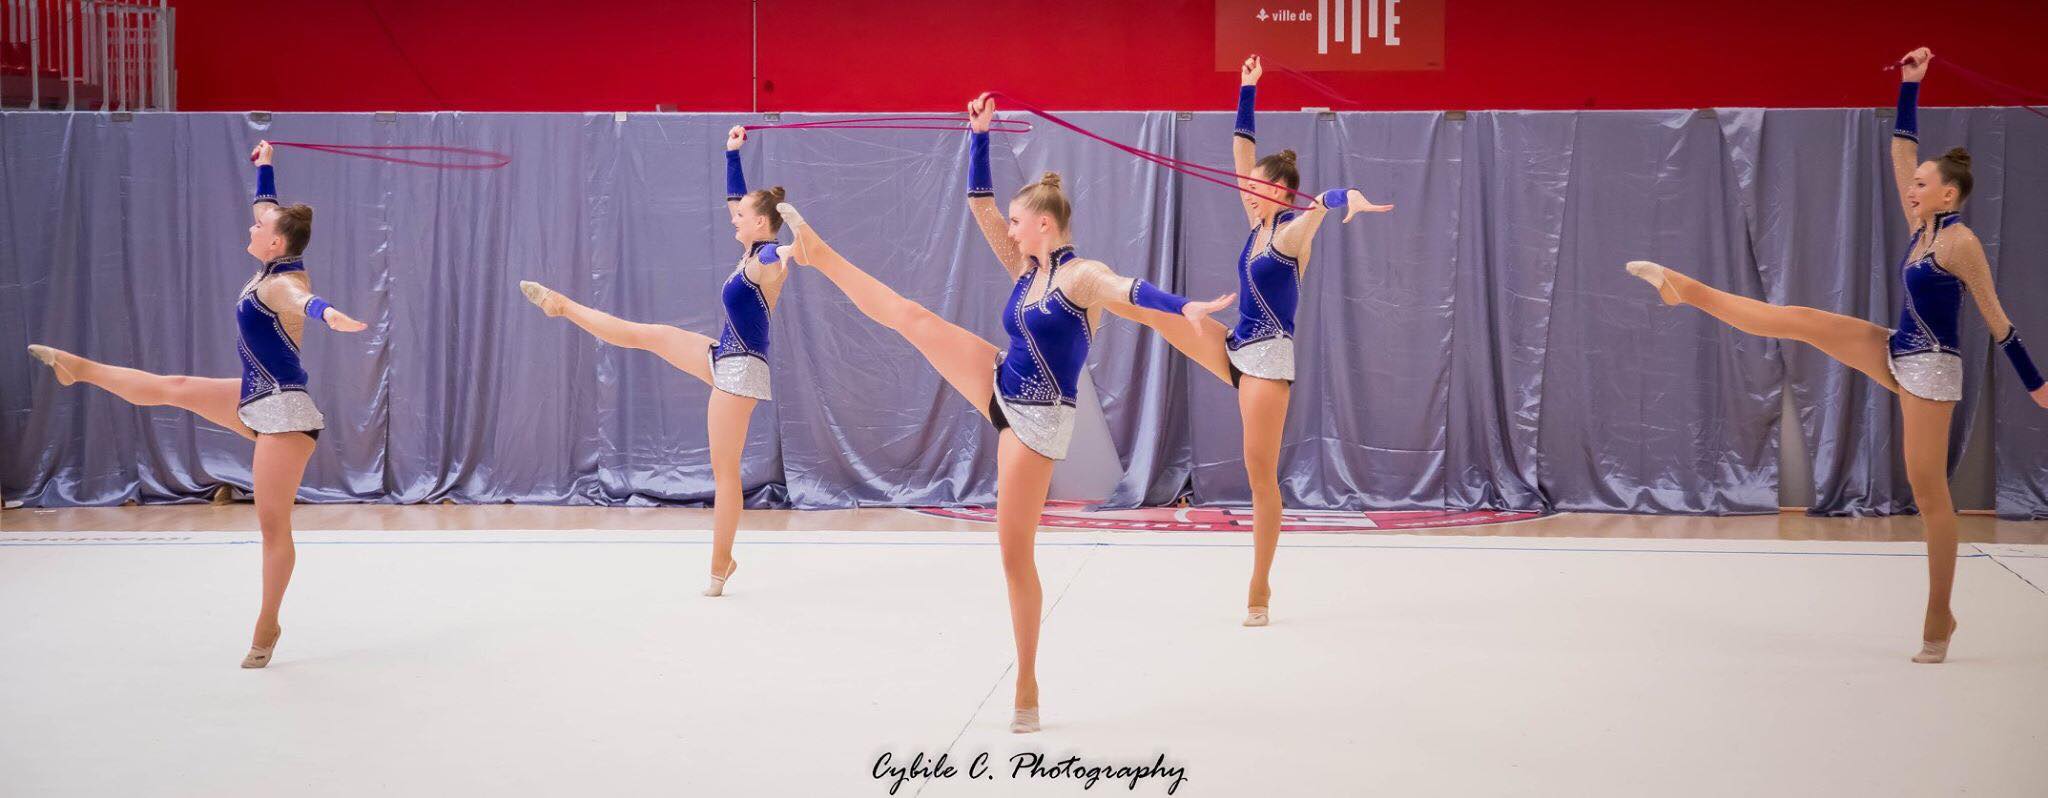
[1478, 347]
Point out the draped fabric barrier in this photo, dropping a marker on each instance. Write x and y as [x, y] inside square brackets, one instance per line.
[1480, 346]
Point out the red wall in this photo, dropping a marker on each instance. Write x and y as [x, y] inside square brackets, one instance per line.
[865, 55]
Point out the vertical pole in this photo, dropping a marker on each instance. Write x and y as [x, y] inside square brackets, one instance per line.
[756, 81]
[70, 55]
[171, 56]
[35, 72]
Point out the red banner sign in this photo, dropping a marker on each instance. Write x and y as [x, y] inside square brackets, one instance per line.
[1332, 35]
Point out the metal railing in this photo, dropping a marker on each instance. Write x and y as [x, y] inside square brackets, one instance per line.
[91, 55]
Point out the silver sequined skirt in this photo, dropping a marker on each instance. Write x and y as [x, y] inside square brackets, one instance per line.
[1935, 376]
[1271, 359]
[741, 375]
[284, 411]
[1045, 429]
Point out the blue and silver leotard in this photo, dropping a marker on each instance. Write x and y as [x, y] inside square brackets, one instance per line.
[1038, 375]
[1926, 348]
[1269, 287]
[739, 361]
[274, 397]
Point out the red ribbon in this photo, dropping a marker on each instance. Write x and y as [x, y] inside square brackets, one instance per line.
[487, 158]
[1188, 168]
[892, 123]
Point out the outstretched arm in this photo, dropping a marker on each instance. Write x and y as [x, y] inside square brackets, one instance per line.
[290, 296]
[1244, 146]
[266, 180]
[1906, 126]
[1094, 285]
[735, 178]
[1292, 239]
[1963, 255]
[981, 190]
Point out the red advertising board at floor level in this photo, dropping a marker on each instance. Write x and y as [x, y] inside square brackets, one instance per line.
[1332, 35]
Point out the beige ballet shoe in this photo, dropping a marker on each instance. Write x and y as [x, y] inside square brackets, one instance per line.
[1655, 275]
[800, 230]
[49, 358]
[540, 296]
[1257, 616]
[790, 215]
[259, 656]
[1935, 651]
[1025, 721]
[717, 587]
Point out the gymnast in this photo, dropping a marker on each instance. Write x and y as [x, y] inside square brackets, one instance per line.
[271, 404]
[1027, 391]
[1921, 359]
[1257, 356]
[735, 365]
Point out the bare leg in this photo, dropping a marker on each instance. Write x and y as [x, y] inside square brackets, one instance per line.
[213, 399]
[1862, 346]
[685, 350]
[727, 420]
[1208, 348]
[1927, 429]
[1022, 479]
[1854, 342]
[1263, 405]
[965, 360]
[279, 466]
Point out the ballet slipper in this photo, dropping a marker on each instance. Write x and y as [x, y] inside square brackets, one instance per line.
[717, 587]
[1657, 276]
[259, 656]
[49, 357]
[541, 297]
[1933, 652]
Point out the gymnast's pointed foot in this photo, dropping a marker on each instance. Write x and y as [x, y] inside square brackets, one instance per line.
[54, 358]
[259, 656]
[807, 240]
[1257, 616]
[790, 215]
[1025, 721]
[1665, 280]
[1935, 651]
[542, 297]
[717, 587]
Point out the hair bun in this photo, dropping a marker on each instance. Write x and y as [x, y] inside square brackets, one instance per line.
[1050, 180]
[778, 194]
[1288, 156]
[1959, 155]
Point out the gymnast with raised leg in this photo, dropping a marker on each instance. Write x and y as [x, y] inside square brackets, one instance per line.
[1257, 356]
[270, 403]
[1920, 360]
[735, 365]
[1026, 391]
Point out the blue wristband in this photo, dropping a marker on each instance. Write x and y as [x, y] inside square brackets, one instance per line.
[1147, 295]
[1907, 123]
[266, 184]
[980, 183]
[2016, 351]
[316, 309]
[1246, 127]
[735, 179]
[1334, 198]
